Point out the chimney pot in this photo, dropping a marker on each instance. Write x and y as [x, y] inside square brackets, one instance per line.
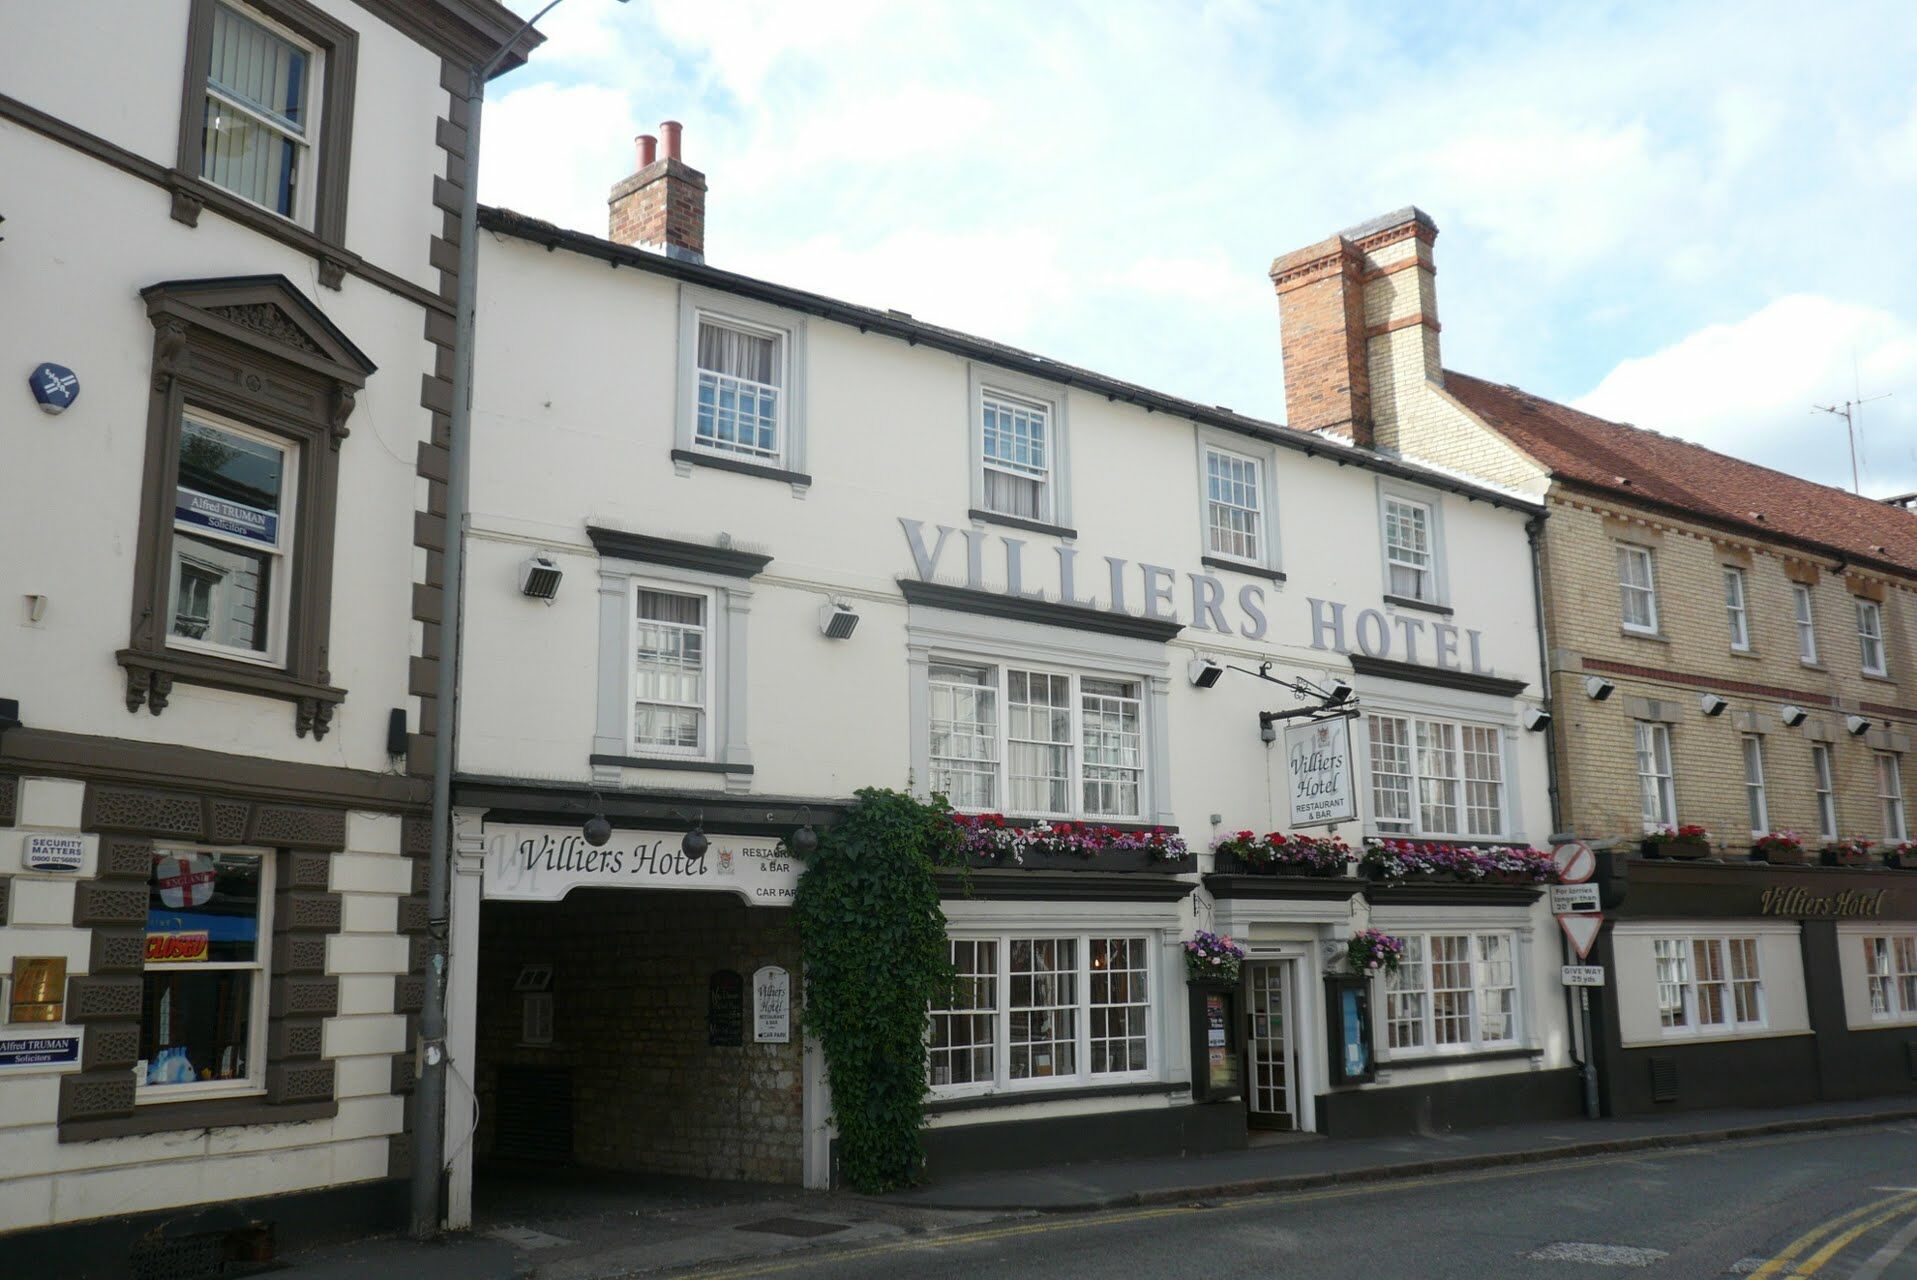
[648, 149]
[670, 130]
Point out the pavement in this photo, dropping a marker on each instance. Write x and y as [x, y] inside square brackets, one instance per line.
[588, 1225]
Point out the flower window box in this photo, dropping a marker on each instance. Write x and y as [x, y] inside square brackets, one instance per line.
[993, 840]
[1689, 842]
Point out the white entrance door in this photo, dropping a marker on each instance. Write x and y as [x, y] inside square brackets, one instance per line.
[1268, 1036]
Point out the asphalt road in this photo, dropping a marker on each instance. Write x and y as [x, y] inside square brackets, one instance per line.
[1838, 1205]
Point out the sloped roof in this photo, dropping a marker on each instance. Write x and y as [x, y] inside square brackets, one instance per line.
[1641, 465]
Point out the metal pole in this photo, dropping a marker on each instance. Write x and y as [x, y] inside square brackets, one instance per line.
[1588, 1069]
[429, 1094]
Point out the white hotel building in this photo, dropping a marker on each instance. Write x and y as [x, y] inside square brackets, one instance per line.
[1041, 560]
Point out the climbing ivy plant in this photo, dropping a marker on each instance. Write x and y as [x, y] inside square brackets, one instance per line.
[875, 962]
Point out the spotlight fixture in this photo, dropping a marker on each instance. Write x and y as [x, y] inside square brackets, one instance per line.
[1857, 726]
[1339, 693]
[1267, 727]
[837, 620]
[1204, 672]
[1713, 705]
[539, 577]
[804, 841]
[1598, 688]
[695, 844]
[597, 830]
[1536, 719]
[1792, 714]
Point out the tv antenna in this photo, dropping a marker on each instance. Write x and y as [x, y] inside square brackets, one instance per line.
[1849, 412]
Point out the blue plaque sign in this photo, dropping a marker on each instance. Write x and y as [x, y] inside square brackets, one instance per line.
[54, 387]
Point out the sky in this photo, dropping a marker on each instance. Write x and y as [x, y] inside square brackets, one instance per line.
[1693, 217]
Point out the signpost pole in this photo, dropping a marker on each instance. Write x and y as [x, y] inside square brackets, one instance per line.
[1587, 1070]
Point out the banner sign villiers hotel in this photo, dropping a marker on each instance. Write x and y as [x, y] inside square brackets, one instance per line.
[544, 864]
[1318, 772]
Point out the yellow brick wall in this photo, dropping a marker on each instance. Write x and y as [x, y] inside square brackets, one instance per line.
[1596, 741]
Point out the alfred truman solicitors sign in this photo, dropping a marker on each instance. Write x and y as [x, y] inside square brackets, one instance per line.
[544, 864]
[1152, 591]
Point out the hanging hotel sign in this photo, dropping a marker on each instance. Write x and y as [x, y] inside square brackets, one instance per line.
[1318, 772]
[1115, 585]
[544, 864]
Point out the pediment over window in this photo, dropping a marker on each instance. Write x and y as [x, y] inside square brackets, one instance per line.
[263, 311]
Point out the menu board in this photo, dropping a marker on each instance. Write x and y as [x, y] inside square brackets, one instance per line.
[725, 1009]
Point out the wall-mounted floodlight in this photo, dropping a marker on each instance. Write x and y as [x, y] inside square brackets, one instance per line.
[1536, 719]
[1857, 726]
[837, 620]
[1204, 672]
[539, 577]
[1598, 688]
[1792, 714]
[1713, 705]
[1339, 693]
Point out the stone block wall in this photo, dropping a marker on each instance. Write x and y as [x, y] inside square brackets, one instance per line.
[630, 973]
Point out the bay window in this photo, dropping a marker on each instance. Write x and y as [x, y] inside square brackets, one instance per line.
[1708, 985]
[1436, 777]
[1890, 974]
[1038, 1011]
[1453, 993]
[1064, 745]
[1637, 588]
[204, 988]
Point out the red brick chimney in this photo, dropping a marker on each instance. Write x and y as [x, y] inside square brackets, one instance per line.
[663, 205]
[1359, 315]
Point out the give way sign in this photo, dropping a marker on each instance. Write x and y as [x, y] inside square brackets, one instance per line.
[1582, 930]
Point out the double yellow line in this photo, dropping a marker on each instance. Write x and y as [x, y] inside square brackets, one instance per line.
[1835, 1234]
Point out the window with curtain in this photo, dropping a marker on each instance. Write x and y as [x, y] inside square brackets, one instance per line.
[1066, 745]
[1890, 975]
[1826, 785]
[1870, 637]
[1656, 792]
[1453, 993]
[1708, 984]
[741, 372]
[1803, 602]
[962, 1040]
[1436, 777]
[1890, 794]
[1407, 528]
[670, 685]
[1637, 588]
[1234, 504]
[1737, 610]
[1017, 463]
[255, 134]
[1755, 803]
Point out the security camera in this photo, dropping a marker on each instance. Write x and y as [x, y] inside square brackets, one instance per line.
[1857, 726]
[1204, 672]
[1599, 688]
[1712, 704]
[1793, 715]
[1340, 694]
[1536, 718]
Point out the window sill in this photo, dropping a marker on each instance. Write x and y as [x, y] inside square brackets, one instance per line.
[1019, 522]
[1242, 566]
[1749, 655]
[150, 678]
[739, 466]
[1881, 677]
[1453, 1059]
[1649, 637]
[936, 1106]
[174, 1117]
[673, 763]
[1423, 606]
[1811, 666]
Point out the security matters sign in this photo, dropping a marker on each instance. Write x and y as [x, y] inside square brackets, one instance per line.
[544, 864]
[1318, 772]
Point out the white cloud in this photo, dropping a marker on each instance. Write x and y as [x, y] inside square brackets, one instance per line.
[1748, 387]
[564, 147]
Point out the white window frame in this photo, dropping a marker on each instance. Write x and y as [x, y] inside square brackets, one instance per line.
[708, 626]
[1649, 734]
[1723, 947]
[998, 672]
[1265, 553]
[698, 304]
[983, 381]
[1870, 635]
[1391, 993]
[1082, 1074]
[1737, 608]
[1824, 784]
[261, 966]
[1804, 607]
[1630, 553]
[306, 147]
[781, 346]
[1417, 778]
[1890, 794]
[1900, 950]
[1756, 799]
[280, 588]
[1418, 515]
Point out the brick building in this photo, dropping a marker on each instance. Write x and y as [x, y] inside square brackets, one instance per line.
[1729, 647]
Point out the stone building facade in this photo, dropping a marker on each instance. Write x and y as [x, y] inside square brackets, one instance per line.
[1730, 648]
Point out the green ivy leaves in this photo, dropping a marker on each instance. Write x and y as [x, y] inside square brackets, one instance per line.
[875, 962]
